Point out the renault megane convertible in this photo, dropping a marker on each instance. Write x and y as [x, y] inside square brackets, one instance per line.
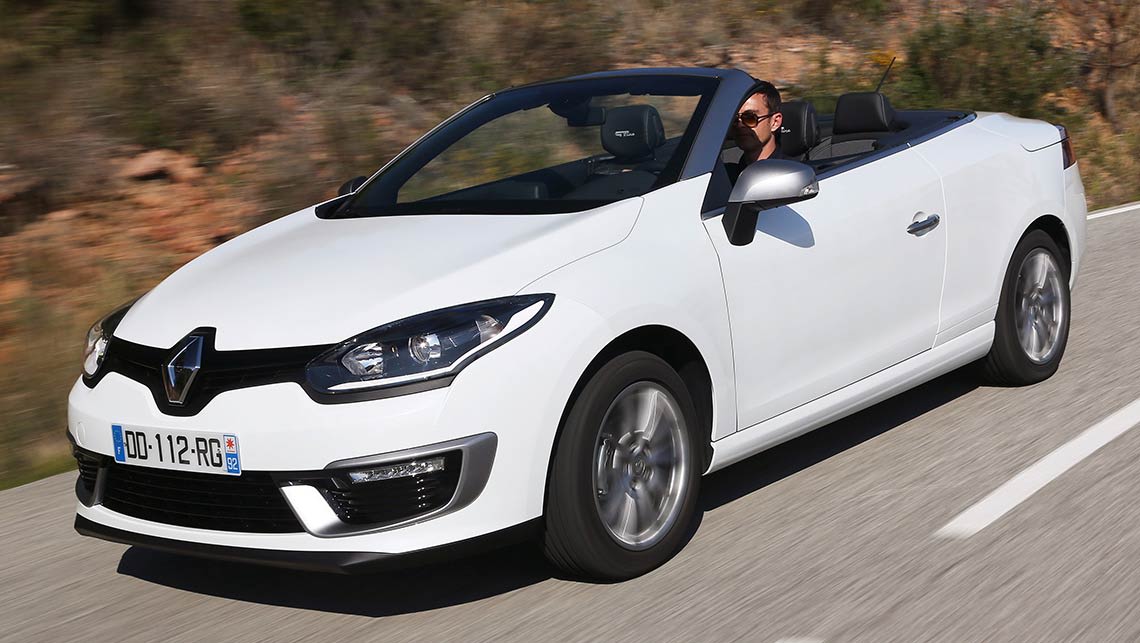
[550, 316]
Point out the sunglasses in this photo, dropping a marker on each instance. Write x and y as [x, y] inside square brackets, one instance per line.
[749, 118]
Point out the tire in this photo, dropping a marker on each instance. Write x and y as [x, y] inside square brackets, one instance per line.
[1042, 312]
[602, 463]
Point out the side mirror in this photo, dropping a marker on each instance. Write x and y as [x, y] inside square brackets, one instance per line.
[762, 186]
[352, 185]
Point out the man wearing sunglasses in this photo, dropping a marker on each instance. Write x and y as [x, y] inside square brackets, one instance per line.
[754, 129]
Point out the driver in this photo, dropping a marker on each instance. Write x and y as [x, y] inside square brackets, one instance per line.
[754, 129]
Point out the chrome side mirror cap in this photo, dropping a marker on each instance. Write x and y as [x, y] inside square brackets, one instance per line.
[764, 185]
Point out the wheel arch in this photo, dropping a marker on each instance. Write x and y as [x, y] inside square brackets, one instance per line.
[1055, 228]
[1051, 225]
[676, 349]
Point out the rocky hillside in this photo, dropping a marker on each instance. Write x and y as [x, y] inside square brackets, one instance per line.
[136, 134]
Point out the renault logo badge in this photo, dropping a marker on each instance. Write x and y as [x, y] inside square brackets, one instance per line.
[180, 371]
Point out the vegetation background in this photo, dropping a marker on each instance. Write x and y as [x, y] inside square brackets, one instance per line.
[136, 134]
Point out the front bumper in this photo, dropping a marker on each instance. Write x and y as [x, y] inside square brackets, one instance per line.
[288, 438]
[324, 503]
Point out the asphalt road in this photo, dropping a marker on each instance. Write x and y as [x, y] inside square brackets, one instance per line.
[829, 538]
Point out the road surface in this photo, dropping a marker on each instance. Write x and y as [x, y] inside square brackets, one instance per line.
[861, 531]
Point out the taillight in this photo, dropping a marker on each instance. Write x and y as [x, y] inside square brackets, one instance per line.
[1066, 147]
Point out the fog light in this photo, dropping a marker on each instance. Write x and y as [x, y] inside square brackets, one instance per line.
[398, 470]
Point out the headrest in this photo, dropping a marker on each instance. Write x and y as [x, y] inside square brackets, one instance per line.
[632, 132]
[863, 112]
[799, 131]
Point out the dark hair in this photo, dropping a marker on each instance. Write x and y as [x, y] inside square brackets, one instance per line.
[770, 93]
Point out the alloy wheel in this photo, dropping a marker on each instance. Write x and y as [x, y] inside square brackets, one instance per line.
[1039, 312]
[641, 465]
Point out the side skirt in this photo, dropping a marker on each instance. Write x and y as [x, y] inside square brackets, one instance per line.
[854, 397]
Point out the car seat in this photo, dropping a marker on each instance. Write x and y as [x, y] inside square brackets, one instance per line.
[632, 134]
[861, 120]
[799, 131]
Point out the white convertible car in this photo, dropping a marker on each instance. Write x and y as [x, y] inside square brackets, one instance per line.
[553, 313]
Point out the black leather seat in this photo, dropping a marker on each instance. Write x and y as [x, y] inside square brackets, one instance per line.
[861, 119]
[799, 131]
[632, 134]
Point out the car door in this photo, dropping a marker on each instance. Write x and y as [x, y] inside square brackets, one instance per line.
[835, 288]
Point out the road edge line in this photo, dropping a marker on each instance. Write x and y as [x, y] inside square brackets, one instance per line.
[1117, 209]
[1023, 485]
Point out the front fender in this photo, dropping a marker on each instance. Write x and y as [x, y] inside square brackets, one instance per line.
[665, 273]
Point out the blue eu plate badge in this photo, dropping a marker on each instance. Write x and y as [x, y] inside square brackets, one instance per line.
[117, 440]
[233, 460]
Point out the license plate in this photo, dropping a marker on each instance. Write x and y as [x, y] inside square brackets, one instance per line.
[182, 450]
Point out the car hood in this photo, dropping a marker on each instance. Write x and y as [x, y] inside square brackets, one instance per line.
[302, 280]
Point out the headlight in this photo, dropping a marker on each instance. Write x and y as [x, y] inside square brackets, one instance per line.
[98, 338]
[415, 349]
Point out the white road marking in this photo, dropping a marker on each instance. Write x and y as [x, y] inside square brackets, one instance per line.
[1031, 480]
[1120, 209]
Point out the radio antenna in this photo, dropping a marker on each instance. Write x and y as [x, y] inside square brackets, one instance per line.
[884, 78]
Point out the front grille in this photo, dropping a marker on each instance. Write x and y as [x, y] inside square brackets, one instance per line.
[250, 502]
[220, 371]
[386, 501]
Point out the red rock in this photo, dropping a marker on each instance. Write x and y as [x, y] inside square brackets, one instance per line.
[63, 215]
[162, 164]
[13, 289]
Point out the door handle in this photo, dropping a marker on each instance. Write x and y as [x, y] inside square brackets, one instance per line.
[919, 228]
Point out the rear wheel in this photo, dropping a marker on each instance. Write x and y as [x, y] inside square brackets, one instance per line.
[625, 475]
[1032, 324]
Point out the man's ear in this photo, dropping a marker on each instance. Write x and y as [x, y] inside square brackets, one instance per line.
[777, 120]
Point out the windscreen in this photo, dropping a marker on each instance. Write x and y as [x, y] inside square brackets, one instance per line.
[557, 147]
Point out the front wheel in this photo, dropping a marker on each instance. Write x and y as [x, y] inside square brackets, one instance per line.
[1032, 324]
[625, 475]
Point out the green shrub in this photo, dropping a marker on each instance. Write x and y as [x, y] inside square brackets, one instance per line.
[404, 40]
[39, 30]
[824, 12]
[1001, 62]
[153, 94]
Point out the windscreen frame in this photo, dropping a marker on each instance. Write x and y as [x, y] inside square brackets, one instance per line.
[391, 178]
